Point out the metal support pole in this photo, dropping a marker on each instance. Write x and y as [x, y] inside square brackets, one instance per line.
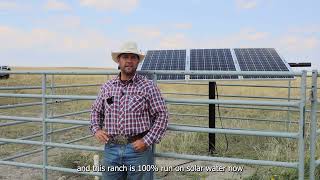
[302, 108]
[44, 128]
[212, 117]
[313, 131]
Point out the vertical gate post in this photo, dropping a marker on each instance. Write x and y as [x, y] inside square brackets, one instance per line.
[313, 125]
[44, 128]
[52, 108]
[302, 110]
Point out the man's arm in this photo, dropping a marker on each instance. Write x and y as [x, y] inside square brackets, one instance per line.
[97, 112]
[97, 118]
[159, 112]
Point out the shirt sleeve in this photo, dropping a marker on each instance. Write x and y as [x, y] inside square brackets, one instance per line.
[159, 113]
[97, 114]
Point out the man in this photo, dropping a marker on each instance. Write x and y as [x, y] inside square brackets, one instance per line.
[129, 115]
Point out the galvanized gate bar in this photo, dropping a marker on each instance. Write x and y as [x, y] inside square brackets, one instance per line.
[228, 117]
[21, 95]
[186, 128]
[39, 150]
[32, 104]
[233, 131]
[114, 72]
[39, 87]
[36, 166]
[227, 95]
[242, 107]
[239, 102]
[51, 132]
[70, 146]
[70, 114]
[64, 121]
[229, 160]
[11, 123]
[17, 118]
[169, 100]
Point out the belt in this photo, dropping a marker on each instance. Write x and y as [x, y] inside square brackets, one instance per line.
[123, 140]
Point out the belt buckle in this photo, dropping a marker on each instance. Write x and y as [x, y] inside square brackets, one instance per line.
[120, 139]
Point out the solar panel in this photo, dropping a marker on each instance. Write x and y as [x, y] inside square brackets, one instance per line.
[260, 59]
[239, 59]
[165, 60]
[212, 60]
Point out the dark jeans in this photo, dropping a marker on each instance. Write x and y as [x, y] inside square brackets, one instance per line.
[123, 162]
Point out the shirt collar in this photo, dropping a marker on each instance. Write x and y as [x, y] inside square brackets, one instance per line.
[134, 79]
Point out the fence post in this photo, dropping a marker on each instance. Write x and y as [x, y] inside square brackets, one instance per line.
[302, 110]
[313, 125]
[44, 127]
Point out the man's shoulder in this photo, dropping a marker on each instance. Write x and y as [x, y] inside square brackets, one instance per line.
[108, 83]
[148, 85]
[145, 81]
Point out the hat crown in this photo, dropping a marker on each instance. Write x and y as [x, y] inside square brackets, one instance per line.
[130, 47]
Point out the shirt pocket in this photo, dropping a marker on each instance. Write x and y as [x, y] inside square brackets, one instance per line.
[137, 103]
[108, 106]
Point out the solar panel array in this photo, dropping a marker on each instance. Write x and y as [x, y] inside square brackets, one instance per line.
[260, 59]
[246, 59]
[165, 60]
[211, 60]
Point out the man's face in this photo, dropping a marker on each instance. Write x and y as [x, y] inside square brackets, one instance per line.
[128, 63]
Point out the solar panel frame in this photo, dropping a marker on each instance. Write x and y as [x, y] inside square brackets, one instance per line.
[215, 60]
[261, 59]
[175, 60]
[212, 60]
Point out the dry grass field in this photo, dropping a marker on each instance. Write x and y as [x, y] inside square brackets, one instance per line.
[237, 146]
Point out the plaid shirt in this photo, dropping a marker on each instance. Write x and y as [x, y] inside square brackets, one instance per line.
[130, 108]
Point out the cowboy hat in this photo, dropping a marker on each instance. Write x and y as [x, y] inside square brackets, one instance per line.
[128, 47]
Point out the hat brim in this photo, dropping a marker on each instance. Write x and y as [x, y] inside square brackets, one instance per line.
[116, 54]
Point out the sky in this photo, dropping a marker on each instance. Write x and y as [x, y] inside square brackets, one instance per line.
[82, 33]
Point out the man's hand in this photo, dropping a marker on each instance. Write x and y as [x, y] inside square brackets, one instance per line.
[102, 136]
[139, 145]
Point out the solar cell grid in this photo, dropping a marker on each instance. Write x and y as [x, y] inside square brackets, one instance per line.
[260, 59]
[211, 60]
[249, 59]
[165, 60]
